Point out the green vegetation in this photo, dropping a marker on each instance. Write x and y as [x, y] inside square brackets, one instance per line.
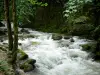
[3, 66]
[35, 43]
[91, 47]
[70, 17]
[22, 55]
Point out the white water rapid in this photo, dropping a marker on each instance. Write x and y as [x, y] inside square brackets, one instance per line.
[60, 57]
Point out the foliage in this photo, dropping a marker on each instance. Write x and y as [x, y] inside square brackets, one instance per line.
[3, 65]
[89, 47]
[1, 10]
[24, 9]
[74, 6]
[35, 2]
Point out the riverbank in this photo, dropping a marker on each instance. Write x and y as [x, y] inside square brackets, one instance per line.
[5, 66]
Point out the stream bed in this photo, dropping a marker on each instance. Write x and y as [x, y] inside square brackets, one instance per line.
[58, 57]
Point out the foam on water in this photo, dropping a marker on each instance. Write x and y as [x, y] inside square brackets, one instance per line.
[59, 57]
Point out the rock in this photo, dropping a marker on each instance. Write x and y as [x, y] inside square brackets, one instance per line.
[97, 55]
[72, 40]
[1, 25]
[22, 55]
[2, 33]
[90, 47]
[24, 30]
[1, 40]
[67, 37]
[35, 43]
[19, 43]
[96, 33]
[31, 61]
[81, 29]
[20, 72]
[56, 37]
[26, 67]
[31, 36]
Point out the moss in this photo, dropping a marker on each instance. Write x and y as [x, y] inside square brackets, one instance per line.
[91, 47]
[98, 53]
[35, 43]
[26, 67]
[22, 55]
[56, 37]
[31, 61]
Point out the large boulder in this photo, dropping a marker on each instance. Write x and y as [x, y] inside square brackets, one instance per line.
[22, 55]
[90, 47]
[28, 65]
[24, 62]
[56, 37]
[81, 29]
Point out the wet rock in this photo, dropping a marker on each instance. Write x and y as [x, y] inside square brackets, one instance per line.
[1, 25]
[90, 47]
[25, 63]
[20, 72]
[31, 61]
[24, 30]
[35, 43]
[22, 55]
[2, 33]
[1, 40]
[56, 37]
[67, 37]
[72, 40]
[19, 43]
[26, 67]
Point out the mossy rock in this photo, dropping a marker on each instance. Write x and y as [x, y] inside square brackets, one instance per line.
[81, 29]
[35, 43]
[96, 33]
[56, 37]
[97, 56]
[31, 36]
[98, 53]
[31, 61]
[26, 67]
[67, 37]
[22, 55]
[90, 47]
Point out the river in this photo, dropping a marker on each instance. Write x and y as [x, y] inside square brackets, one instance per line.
[58, 57]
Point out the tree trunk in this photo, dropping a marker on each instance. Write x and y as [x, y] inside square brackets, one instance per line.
[10, 38]
[15, 45]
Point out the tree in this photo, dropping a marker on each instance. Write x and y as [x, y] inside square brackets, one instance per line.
[6, 8]
[15, 26]
[13, 43]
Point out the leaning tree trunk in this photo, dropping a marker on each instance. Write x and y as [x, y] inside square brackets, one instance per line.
[10, 39]
[15, 45]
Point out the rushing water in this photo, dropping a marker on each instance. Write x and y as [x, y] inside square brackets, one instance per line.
[58, 57]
